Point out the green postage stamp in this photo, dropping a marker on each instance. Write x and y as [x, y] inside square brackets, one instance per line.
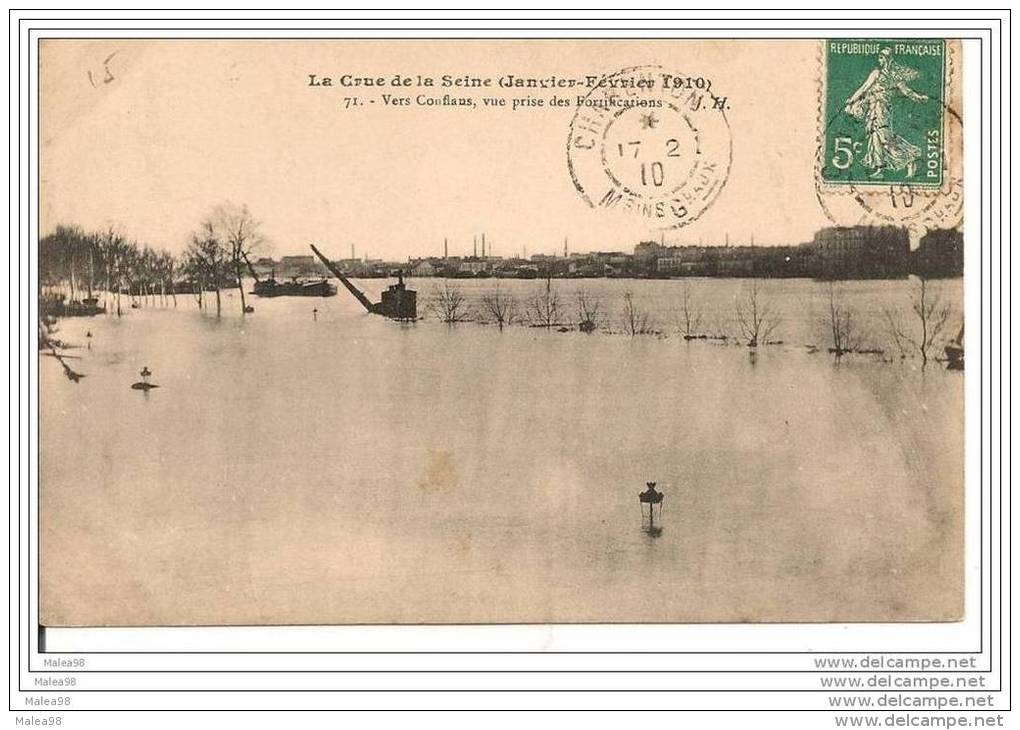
[884, 108]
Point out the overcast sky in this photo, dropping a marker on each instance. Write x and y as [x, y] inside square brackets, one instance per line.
[154, 137]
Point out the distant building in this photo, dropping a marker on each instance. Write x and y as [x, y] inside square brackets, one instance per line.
[861, 252]
[939, 254]
[300, 266]
[423, 268]
[264, 266]
[473, 266]
[648, 250]
[735, 261]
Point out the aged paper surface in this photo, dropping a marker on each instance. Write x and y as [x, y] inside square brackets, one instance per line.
[592, 331]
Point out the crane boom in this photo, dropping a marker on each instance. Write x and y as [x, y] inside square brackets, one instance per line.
[358, 294]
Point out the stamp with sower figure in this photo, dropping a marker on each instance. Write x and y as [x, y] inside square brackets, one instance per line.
[890, 135]
[884, 120]
[653, 143]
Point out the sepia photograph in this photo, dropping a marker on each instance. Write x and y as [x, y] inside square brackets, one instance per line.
[531, 331]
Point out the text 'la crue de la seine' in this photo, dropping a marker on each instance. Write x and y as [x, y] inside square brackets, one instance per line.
[644, 80]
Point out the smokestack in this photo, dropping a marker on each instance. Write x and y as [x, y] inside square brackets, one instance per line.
[474, 245]
[352, 252]
[446, 249]
[564, 247]
[483, 245]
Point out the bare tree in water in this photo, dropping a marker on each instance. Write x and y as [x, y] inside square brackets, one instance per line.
[145, 274]
[543, 309]
[931, 315]
[842, 322]
[756, 316]
[500, 306]
[240, 234]
[688, 317]
[589, 311]
[113, 250]
[209, 260]
[167, 270]
[193, 269]
[449, 304]
[636, 321]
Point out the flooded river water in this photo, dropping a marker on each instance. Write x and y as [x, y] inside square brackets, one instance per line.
[347, 469]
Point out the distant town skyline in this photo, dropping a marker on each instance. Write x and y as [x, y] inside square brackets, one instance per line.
[474, 250]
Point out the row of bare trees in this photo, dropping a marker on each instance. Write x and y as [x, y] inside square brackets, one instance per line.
[755, 315]
[920, 333]
[104, 265]
[84, 265]
[500, 307]
[757, 319]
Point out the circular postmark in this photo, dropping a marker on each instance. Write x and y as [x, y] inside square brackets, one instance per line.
[651, 143]
[917, 210]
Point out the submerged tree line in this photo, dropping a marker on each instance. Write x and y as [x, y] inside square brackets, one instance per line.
[87, 272]
[753, 322]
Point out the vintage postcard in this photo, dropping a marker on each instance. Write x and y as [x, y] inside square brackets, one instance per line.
[500, 331]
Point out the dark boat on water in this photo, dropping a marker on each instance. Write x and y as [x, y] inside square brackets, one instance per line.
[295, 288]
[270, 287]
